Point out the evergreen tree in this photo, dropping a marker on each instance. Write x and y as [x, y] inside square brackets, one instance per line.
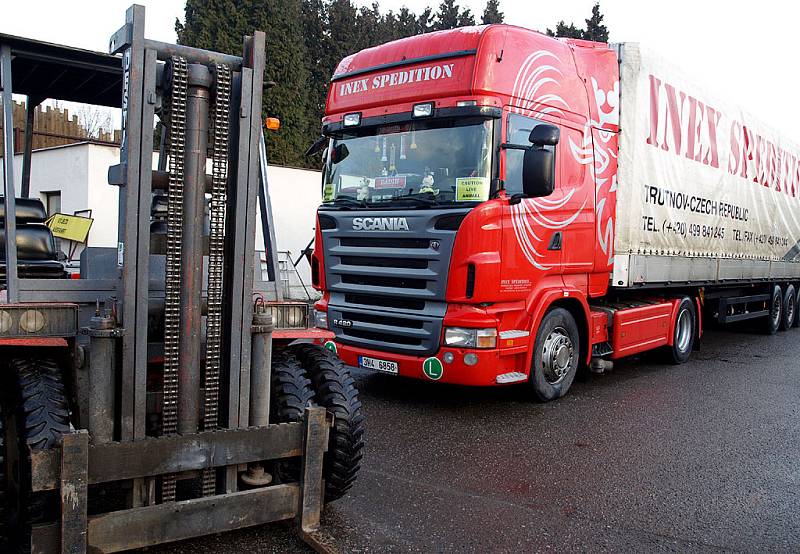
[221, 24]
[564, 30]
[465, 18]
[425, 21]
[447, 16]
[492, 13]
[595, 30]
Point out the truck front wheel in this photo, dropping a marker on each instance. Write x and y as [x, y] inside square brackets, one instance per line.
[684, 331]
[789, 308]
[555, 355]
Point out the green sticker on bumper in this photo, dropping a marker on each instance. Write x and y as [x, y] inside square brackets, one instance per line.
[432, 368]
[330, 345]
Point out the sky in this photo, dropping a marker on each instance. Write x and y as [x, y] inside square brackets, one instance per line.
[743, 51]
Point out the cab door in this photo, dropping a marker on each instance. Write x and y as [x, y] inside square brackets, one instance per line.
[532, 235]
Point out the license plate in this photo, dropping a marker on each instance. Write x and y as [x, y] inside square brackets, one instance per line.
[378, 365]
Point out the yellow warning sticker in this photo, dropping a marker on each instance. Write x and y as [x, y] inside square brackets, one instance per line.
[328, 192]
[472, 189]
[70, 227]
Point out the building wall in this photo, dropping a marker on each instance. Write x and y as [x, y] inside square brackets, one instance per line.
[80, 172]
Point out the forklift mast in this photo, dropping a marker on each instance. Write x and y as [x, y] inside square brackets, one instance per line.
[163, 349]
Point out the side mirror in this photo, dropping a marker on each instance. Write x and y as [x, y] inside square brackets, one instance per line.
[545, 135]
[340, 152]
[537, 172]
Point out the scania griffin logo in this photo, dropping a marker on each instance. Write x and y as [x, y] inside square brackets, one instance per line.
[380, 224]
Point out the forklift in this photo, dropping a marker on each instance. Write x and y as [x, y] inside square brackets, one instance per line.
[170, 391]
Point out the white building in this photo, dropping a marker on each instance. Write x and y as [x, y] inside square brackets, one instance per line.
[74, 178]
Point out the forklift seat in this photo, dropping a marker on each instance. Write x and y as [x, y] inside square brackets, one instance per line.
[36, 248]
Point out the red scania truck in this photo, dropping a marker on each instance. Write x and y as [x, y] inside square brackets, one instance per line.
[500, 207]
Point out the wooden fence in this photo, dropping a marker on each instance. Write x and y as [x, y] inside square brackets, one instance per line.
[53, 126]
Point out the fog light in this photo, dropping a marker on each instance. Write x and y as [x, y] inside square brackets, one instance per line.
[471, 358]
[5, 322]
[352, 119]
[31, 321]
[423, 110]
[448, 357]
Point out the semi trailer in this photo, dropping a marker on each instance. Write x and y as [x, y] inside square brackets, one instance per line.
[163, 394]
[501, 207]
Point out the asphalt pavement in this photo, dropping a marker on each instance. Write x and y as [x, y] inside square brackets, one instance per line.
[650, 457]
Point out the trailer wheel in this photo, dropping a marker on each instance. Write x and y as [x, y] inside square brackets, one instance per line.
[796, 322]
[335, 389]
[42, 417]
[555, 356]
[789, 308]
[683, 334]
[773, 320]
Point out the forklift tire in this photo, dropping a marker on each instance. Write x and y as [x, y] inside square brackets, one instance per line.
[4, 499]
[335, 389]
[789, 308]
[555, 356]
[684, 333]
[775, 305]
[42, 418]
[290, 395]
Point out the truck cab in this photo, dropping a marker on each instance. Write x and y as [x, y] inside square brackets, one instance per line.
[437, 256]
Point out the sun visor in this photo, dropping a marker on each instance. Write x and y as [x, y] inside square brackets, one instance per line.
[419, 79]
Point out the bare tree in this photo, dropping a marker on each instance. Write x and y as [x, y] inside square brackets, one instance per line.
[96, 121]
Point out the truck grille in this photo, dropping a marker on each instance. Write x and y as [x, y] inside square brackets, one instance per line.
[388, 287]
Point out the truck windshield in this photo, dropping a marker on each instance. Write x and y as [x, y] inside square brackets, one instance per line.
[426, 162]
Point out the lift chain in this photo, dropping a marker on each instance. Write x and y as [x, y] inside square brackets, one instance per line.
[172, 315]
[216, 245]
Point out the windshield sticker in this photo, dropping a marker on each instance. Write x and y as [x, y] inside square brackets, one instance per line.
[328, 192]
[390, 182]
[472, 189]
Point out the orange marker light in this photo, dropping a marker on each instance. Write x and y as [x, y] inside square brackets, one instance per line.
[273, 123]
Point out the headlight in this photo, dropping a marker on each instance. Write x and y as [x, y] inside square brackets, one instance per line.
[463, 337]
[320, 319]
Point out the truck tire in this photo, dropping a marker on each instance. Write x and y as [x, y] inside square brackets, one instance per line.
[775, 305]
[42, 418]
[684, 333]
[789, 308]
[335, 389]
[290, 394]
[796, 322]
[555, 356]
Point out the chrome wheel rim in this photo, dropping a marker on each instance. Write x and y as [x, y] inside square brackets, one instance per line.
[558, 352]
[684, 331]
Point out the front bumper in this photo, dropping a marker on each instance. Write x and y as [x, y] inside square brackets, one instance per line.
[491, 363]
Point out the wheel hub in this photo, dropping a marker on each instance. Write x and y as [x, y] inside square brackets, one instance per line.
[558, 353]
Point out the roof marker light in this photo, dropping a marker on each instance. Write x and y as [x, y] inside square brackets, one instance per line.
[423, 110]
[352, 119]
[465, 103]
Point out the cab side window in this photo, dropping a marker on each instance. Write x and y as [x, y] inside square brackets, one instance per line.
[517, 132]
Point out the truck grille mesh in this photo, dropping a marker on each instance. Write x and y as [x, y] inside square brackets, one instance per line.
[387, 288]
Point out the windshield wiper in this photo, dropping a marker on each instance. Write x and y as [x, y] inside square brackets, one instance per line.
[346, 201]
[416, 198]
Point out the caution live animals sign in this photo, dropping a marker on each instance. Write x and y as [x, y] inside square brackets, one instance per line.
[70, 227]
